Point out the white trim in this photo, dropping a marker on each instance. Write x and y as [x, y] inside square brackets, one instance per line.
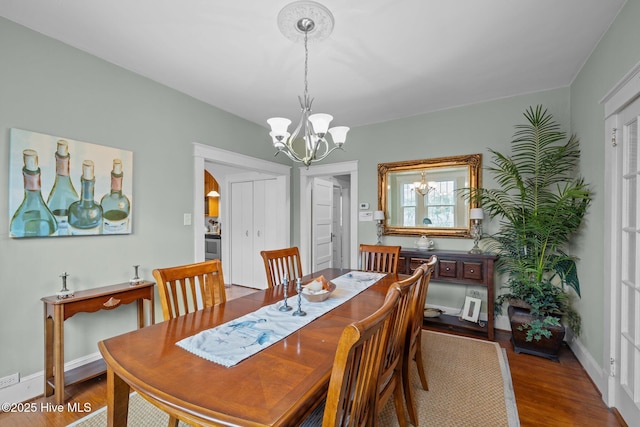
[620, 95]
[306, 176]
[622, 92]
[597, 374]
[202, 153]
[32, 386]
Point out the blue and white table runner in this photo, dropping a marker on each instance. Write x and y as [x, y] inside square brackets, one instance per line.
[234, 341]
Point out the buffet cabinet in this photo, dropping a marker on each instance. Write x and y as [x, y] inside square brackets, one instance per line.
[456, 268]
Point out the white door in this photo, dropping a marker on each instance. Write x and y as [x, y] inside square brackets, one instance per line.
[337, 227]
[241, 236]
[626, 292]
[322, 210]
[265, 228]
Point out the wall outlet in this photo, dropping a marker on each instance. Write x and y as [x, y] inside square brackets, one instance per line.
[10, 380]
[474, 294]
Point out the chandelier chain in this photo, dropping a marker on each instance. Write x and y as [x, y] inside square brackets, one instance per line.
[306, 65]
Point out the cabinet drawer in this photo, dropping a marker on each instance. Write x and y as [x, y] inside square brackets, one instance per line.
[447, 268]
[472, 270]
[416, 262]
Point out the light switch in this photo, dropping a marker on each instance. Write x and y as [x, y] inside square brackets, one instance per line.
[187, 219]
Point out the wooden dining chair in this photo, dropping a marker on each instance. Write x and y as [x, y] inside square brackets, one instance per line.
[180, 286]
[281, 262]
[354, 377]
[413, 343]
[390, 378]
[380, 258]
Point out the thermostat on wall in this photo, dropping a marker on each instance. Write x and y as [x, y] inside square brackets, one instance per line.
[364, 205]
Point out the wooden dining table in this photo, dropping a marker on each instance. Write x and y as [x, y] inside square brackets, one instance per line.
[278, 386]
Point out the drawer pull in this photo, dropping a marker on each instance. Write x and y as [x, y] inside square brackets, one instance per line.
[111, 303]
[472, 270]
[447, 269]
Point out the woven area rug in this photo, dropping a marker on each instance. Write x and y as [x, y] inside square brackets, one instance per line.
[469, 385]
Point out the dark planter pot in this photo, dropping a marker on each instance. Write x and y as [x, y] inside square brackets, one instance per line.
[546, 347]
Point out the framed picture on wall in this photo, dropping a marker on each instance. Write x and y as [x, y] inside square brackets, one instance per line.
[471, 310]
[62, 187]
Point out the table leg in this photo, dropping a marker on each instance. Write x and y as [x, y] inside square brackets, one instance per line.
[58, 353]
[48, 351]
[117, 400]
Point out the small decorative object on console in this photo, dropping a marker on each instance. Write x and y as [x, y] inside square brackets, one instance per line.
[135, 280]
[64, 292]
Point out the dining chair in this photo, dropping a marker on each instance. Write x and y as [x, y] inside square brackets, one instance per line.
[380, 258]
[180, 286]
[281, 262]
[354, 376]
[413, 343]
[390, 378]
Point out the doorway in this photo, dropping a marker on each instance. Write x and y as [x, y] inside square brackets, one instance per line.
[224, 164]
[347, 174]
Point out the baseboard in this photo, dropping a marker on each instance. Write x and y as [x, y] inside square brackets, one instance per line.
[598, 375]
[32, 386]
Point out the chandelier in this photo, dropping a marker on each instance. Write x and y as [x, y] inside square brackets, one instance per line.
[301, 20]
[422, 187]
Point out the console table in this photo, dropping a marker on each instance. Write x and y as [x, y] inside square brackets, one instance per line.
[460, 268]
[57, 310]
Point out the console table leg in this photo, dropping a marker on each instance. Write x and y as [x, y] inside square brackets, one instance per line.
[48, 352]
[58, 354]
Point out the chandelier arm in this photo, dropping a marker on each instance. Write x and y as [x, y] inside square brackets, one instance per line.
[329, 152]
[325, 145]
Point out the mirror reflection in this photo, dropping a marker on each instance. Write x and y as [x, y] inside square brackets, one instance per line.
[423, 197]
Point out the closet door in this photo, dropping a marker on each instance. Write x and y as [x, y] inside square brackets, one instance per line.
[242, 250]
[265, 226]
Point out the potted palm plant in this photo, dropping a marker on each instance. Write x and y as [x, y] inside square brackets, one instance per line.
[540, 202]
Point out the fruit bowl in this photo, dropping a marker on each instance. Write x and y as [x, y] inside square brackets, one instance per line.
[318, 290]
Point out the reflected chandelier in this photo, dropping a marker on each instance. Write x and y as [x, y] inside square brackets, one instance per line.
[301, 20]
[422, 187]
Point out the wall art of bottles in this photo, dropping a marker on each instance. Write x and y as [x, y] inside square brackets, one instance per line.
[59, 187]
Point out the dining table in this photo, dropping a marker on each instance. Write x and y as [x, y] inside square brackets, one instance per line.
[278, 386]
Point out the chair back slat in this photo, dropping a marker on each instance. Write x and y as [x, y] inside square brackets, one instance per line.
[413, 339]
[281, 262]
[379, 258]
[353, 384]
[390, 379]
[180, 286]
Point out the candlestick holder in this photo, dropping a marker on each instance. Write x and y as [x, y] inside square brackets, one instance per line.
[135, 280]
[299, 311]
[64, 292]
[284, 306]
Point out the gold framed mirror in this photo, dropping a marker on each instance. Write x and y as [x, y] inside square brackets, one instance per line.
[423, 197]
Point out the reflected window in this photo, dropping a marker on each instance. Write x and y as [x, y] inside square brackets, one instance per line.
[408, 205]
[440, 204]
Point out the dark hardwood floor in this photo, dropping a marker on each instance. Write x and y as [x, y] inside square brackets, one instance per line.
[547, 394]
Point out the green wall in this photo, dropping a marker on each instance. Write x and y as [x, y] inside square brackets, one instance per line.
[49, 87]
[617, 53]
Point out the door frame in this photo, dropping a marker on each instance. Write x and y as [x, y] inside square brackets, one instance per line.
[623, 93]
[205, 153]
[306, 177]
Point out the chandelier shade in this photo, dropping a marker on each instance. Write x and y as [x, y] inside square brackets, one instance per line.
[306, 18]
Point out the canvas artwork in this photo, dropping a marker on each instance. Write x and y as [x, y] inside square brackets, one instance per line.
[62, 187]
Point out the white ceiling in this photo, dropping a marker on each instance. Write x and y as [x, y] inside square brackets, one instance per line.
[385, 59]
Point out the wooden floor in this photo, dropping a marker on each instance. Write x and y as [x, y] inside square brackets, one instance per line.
[547, 393]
